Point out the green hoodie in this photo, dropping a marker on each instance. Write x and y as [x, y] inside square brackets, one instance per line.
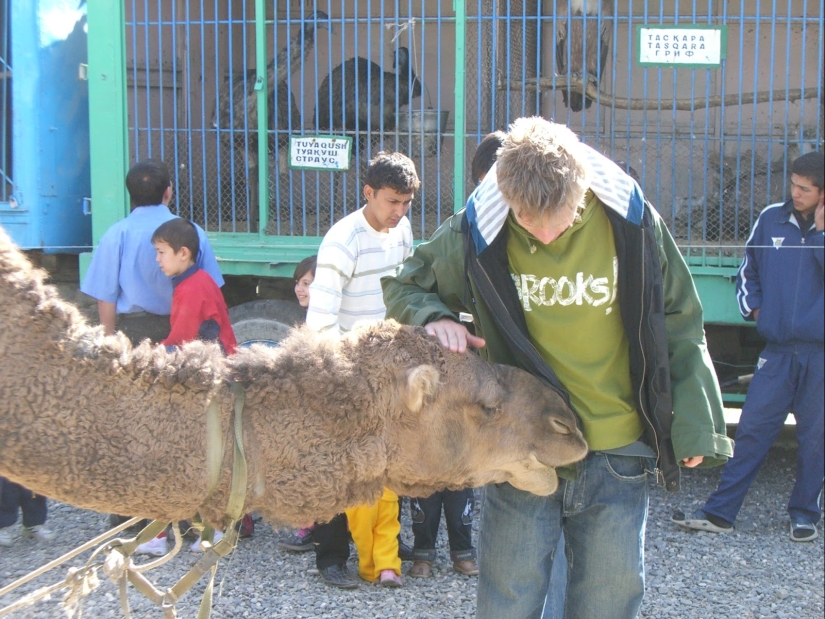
[433, 283]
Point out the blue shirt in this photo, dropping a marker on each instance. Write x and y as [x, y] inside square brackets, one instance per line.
[124, 270]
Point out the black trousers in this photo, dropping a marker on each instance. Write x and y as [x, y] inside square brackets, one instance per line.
[138, 327]
[14, 498]
[331, 542]
[458, 506]
[143, 325]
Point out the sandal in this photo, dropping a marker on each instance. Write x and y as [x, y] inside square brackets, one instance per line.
[700, 521]
[803, 531]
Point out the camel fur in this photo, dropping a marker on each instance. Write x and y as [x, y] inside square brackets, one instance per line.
[89, 420]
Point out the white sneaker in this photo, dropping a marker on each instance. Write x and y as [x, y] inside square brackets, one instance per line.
[6, 538]
[39, 532]
[154, 547]
[197, 545]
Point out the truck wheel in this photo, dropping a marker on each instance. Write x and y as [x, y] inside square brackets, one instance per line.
[264, 322]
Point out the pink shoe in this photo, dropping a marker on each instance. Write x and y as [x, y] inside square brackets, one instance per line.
[389, 578]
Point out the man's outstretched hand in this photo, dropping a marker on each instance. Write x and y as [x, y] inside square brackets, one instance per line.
[453, 335]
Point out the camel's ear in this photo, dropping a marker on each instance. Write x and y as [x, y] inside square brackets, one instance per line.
[420, 383]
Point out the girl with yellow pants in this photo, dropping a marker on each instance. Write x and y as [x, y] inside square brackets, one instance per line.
[375, 530]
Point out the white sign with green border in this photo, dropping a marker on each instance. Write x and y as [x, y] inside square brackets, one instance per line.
[320, 152]
[688, 46]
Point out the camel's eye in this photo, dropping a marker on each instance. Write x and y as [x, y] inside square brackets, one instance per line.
[492, 411]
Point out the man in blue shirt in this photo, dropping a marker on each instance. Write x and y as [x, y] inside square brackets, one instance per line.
[780, 287]
[131, 291]
[133, 295]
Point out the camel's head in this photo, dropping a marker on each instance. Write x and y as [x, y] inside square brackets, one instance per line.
[466, 423]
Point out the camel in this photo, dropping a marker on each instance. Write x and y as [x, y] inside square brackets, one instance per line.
[89, 420]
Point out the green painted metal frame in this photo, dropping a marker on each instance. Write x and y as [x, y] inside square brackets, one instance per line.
[109, 124]
[259, 254]
[108, 117]
[460, 9]
[238, 253]
[263, 115]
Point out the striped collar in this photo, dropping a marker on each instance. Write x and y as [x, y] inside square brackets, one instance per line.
[487, 210]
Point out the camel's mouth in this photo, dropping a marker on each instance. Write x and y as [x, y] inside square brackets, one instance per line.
[533, 476]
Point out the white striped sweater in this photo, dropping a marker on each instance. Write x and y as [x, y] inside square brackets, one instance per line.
[352, 259]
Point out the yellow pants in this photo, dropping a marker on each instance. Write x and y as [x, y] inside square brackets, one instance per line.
[375, 530]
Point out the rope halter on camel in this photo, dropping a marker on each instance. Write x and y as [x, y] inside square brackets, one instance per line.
[118, 565]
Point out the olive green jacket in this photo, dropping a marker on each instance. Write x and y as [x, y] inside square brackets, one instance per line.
[676, 387]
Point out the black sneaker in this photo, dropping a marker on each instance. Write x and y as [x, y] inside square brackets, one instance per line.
[296, 543]
[339, 576]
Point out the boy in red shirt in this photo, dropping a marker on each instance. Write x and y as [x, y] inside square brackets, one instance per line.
[198, 307]
[198, 310]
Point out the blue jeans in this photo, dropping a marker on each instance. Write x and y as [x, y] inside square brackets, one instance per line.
[603, 515]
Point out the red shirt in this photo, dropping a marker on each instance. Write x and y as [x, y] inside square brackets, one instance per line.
[195, 301]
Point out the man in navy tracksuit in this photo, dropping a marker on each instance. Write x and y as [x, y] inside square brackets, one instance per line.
[780, 286]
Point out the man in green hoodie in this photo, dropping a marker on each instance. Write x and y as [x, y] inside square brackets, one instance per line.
[564, 270]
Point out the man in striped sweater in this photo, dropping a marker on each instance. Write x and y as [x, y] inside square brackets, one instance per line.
[353, 257]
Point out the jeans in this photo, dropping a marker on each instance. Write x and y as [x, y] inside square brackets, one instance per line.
[458, 513]
[602, 514]
[554, 604]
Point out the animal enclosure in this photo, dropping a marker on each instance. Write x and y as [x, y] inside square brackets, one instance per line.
[710, 146]
[192, 70]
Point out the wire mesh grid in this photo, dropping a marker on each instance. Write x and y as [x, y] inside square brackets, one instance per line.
[708, 168]
[333, 68]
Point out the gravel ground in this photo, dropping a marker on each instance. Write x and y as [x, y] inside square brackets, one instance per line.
[753, 572]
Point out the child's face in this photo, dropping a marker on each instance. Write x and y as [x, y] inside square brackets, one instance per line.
[302, 288]
[171, 262]
[385, 207]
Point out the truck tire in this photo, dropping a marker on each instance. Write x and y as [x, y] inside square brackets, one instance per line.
[264, 322]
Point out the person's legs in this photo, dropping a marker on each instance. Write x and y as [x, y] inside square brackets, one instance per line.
[767, 405]
[33, 507]
[605, 512]
[404, 550]
[362, 521]
[808, 411]
[385, 546]
[331, 542]
[519, 532]
[9, 502]
[459, 506]
[554, 604]
[426, 516]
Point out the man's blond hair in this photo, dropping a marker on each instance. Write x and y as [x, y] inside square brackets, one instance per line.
[541, 168]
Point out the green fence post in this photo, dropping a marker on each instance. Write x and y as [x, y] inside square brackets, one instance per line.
[460, 129]
[263, 125]
[108, 119]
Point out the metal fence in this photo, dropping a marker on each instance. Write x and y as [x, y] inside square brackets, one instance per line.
[710, 146]
[192, 102]
[6, 172]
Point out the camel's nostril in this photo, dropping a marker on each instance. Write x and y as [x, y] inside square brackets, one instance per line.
[559, 427]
